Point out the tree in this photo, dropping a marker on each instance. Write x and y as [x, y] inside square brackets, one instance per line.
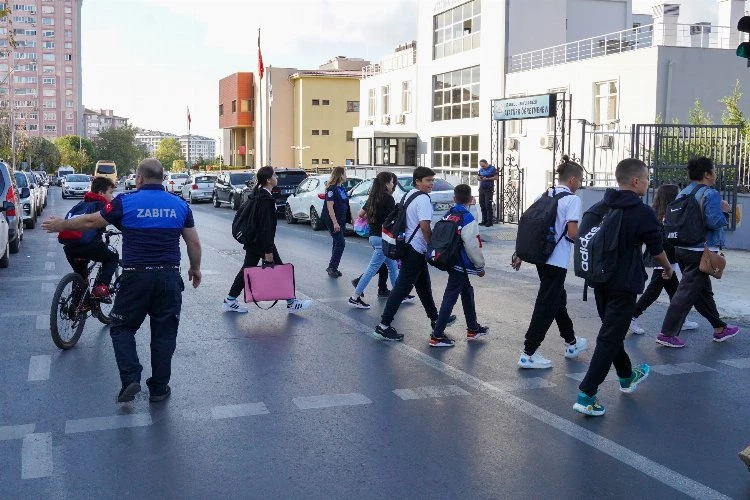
[732, 114]
[168, 151]
[77, 152]
[698, 115]
[119, 145]
[40, 154]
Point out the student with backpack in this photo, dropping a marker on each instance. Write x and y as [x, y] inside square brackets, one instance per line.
[695, 221]
[664, 196]
[334, 215]
[406, 232]
[80, 247]
[260, 232]
[608, 255]
[466, 259]
[550, 226]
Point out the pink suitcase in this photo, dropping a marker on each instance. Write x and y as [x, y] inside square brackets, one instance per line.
[265, 284]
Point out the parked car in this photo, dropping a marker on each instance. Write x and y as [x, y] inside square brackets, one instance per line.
[441, 196]
[130, 182]
[4, 235]
[75, 185]
[9, 192]
[41, 186]
[308, 200]
[54, 180]
[200, 187]
[229, 187]
[173, 182]
[27, 198]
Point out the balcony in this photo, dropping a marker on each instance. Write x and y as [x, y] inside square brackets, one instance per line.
[700, 35]
[399, 60]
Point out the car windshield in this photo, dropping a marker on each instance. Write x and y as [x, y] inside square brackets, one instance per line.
[291, 177]
[407, 184]
[179, 176]
[204, 179]
[240, 178]
[105, 169]
[21, 180]
[77, 178]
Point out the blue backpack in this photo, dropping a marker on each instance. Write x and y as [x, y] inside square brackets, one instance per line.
[79, 238]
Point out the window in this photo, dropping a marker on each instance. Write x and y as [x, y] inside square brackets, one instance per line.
[48, 80]
[24, 19]
[316, 102]
[326, 102]
[48, 57]
[352, 106]
[364, 151]
[24, 79]
[48, 9]
[395, 151]
[69, 127]
[68, 57]
[315, 161]
[68, 104]
[49, 104]
[325, 161]
[68, 34]
[50, 115]
[455, 95]
[68, 21]
[325, 132]
[68, 10]
[316, 132]
[456, 155]
[69, 115]
[371, 103]
[48, 69]
[48, 33]
[406, 97]
[68, 81]
[606, 104]
[48, 127]
[68, 69]
[48, 45]
[49, 92]
[234, 106]
[23, 91]
[221, 110]
[68, 92]
[456, 30]
[385, 100]
[21, 67]
[27, 55]
[48, 21]
[20, 43]
[349, 136]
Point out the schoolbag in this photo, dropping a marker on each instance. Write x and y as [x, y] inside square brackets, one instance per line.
[596, 254]
[243, 222]
[79, 238]
[394, 229]
[536, 240]
[683, 220]
[445, 245]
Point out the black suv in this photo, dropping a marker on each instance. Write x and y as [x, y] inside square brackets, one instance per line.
[289, 179]
[229, 187]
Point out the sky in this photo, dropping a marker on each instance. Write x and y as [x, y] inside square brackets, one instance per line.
[149, 60]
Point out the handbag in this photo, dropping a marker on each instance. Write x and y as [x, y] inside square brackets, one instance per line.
[712, 263]
[362, 227]
[269, 283]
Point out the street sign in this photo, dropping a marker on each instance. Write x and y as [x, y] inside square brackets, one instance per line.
[524, 108]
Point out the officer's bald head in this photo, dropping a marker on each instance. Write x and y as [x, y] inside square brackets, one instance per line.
[151, 171]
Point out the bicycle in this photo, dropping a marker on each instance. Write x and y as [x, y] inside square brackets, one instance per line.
[73, 302]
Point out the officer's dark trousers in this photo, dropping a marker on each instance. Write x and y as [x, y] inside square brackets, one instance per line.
[413, 273]
[485, 203]
[157, 293]
[337, 248]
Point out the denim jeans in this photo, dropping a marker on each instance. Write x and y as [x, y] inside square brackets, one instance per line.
[414, 273]
[337, 250]
[458, 284]
[377, 259]
[158, 294]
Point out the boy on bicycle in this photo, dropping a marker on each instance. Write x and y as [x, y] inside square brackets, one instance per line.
[82, 247]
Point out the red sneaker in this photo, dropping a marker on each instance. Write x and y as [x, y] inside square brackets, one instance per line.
[101, 292]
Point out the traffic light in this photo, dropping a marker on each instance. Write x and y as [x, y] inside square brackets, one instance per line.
[743, 49]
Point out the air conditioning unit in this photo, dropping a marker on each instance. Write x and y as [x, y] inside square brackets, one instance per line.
[386, 120]
[604, 141]
[510, 143]
[547, 141]
[401, 118]
[370, 121]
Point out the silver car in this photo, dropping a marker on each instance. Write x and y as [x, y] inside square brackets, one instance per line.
[75, 185]
[200, 187]
[27, 198]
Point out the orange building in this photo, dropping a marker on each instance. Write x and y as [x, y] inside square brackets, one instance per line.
[236, 118]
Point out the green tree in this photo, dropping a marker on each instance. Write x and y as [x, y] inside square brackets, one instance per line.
[119, 145]
[76, 151]
[177, 166]
[698, 115]
[732, 114]
[40, 153]
[168, 151]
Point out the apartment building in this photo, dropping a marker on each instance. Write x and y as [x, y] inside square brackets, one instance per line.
[197, 147]
[97, 120]
[152, 138]
[40, 78]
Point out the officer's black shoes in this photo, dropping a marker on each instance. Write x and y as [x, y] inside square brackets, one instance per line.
[154, 396]
[128, 392]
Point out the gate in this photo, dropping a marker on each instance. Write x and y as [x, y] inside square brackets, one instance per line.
[510, 185]
[666, 150]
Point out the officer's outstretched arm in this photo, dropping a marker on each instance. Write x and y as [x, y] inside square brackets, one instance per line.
[193, 243]
[82, 223]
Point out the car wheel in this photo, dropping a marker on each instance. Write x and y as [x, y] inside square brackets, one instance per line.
[288, 215]
[5, 260]
[64, 197]
[32, 223]
[234, 202]
[315, 220]
[215, 200]
[15, 245]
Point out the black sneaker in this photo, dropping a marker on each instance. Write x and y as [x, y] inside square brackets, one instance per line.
[358, 303]
[451, 320]
[475, 333]
[333, 273]
[155, 397]
[441, 341]
[384, 293]
[128, 392]
[389, 333]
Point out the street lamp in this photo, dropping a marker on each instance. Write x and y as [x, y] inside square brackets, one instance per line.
[300, 149]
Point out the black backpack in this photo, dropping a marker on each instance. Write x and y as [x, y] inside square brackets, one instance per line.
[445, 245]
[80, 238]
[683, 220]
[536, 241]
[596, 254]
[244, 221]
[394, 229]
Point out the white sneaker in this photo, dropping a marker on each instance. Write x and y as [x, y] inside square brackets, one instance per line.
[689, 325]
[635, 328]
[536, 360]
[572, 351]
[298, 305]
[233, 306]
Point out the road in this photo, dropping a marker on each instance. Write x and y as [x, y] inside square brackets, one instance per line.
[274, 405]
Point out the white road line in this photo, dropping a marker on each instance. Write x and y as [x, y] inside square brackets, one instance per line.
[742, 363]
[39, 367]
[49, 266]
[42, 322]
[242, 410]
[523, 384]
[431, 391]
[107, 423]
[329, 400]
[21, 314]
[25, 279]
[650, 468]
[51, 255]
[36, 456]
[680, 369]
[10, 432]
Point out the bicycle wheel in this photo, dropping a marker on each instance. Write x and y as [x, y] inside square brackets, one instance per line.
[67, 316]
[102, 309]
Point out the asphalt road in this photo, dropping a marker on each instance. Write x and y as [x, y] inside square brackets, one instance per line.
[274, 405]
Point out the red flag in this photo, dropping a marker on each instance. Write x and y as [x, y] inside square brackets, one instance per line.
[189, 120]
[261, 68]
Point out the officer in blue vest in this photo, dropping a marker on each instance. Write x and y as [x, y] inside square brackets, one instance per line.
[151, 221]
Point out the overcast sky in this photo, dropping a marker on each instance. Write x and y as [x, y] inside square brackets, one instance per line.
[149, 60]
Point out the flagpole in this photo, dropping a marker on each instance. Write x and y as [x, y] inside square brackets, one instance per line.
[260, 107]
[188, 143]
[270, 116]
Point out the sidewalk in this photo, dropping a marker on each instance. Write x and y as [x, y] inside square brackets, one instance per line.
[732, 291]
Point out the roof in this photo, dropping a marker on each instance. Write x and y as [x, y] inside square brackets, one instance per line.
[322, 73]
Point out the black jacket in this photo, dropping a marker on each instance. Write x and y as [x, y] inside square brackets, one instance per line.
[639, 226]
[264, 224]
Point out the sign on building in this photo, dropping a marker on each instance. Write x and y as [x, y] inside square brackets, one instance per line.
[524, 108]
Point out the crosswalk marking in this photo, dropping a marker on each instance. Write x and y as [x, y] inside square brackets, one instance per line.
[329, 400]
[430, 391]
[9, 432]
[48, 286]
[742, 363]
[49, 266]
[523, 384]
[107, 423]
[36, 456]
[680, 369]
[39, 367]
[241, 410]
[42, 322]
